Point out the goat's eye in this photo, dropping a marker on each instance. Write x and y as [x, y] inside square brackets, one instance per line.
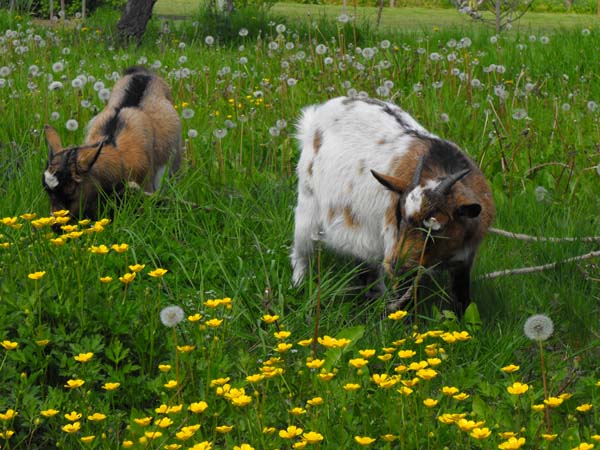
[432, 223]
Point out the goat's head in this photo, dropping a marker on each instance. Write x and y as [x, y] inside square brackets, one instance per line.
[67, 176]
[433, 213]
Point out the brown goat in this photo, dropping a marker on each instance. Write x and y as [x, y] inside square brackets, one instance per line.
[131, 142]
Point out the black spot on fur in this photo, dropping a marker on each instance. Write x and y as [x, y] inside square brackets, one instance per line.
[134, 92]
[136, 69]
[446, 156]
[132, 97]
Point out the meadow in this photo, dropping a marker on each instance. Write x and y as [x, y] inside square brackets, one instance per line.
[173, 323]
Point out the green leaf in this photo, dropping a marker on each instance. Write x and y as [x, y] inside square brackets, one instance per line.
[333, 355]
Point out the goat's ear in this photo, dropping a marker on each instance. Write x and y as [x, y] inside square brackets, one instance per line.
[470, 210]
[53, 141]
[390, 182]
[87, 157]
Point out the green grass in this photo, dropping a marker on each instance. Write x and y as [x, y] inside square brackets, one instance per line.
[235, 244]
[398, 19]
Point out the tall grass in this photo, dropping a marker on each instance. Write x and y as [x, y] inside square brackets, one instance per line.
[530, 120]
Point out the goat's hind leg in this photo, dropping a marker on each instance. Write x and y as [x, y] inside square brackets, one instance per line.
[306, 231]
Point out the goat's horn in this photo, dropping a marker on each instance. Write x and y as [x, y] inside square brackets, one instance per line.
[447, 183]
[417, 175]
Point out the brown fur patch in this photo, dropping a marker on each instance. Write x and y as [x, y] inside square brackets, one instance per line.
[349, 218]
[317, 141]
[310, 168]
[331, 214]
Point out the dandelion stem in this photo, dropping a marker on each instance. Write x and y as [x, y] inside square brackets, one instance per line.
[547, 408]
[318, 312]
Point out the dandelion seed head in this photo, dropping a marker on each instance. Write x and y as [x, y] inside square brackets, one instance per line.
[541, 193]
[192, 133]
[209, 40]
[592, 106]
[58, 66]
[243, 32]
[171, 316]
[280, 28]
[321, 49]
[4, 71]
[538, 327]
[77, 83]
[104, 94]
[187, 113]
[519, 114]
[54, 115]
[220, 133]
[72, 125]
[55, 85]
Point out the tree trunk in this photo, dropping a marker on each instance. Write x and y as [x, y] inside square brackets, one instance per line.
[52, 9]
[134, 19]
[380, 10]
[498, 14]
[82, 9]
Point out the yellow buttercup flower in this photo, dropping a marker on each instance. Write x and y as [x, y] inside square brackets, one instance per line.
[36, 275]
[255, 378]
[195, 318]
[171, 384]
[449, 390]
[6, 434]
[9, 345]
[127, 277]
[584, 446]
[430, 402]
[585, 407]
[404, 354]
[480, 433]
[120, 248]
[99, 250]
[290, 432]
[553, 402]
[517, 388]
[97, 417]
[73, 416]
[164, 367]
[110, 386]
[224, 429]
[397, 315]
[87, 439]
[267, 318]
[512, 443]
[426, 374]
[214, 323]
[143, 421]
[460, 397]
[283, 347]
[305, 342]
[137, 267]
[367, 353]
[49, 412]
[163, 422]
[83, 357]
[297, 411]
[315, 363]
[312, 437]
[198, 407]
[331, 342]
[364, 440]
[315, 401]
[157, 273]
[357, 363]
[549, 437]
[326, 376]
[351, 387]
[106, 279]
[73, 384]
[71, 427]
[510, 368]
[283, 334]
[8, 415]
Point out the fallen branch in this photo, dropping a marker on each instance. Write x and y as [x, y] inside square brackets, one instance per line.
[526, 237]
[524, 270]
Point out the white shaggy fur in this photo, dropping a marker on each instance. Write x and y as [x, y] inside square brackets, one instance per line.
[335, 180]
[50, 179]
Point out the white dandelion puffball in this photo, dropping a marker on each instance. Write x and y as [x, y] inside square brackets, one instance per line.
[171, 316]
[192, 133]
[72, 125]
[209, 40]
[187, 113]
[104, 94]
[220, 133]
[538, 327]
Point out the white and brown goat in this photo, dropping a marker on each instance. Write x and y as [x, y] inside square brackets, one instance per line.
[132, 141]
[377, 186]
